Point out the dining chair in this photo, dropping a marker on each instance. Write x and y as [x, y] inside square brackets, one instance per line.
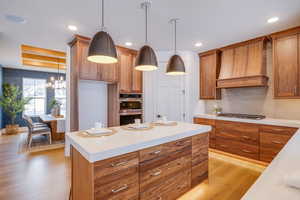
[35, 124]
[36, 130]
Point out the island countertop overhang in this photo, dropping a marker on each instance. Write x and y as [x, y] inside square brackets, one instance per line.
[96, 149]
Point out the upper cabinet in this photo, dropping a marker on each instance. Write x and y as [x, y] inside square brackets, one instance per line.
[286, 57]
[209, 71]
[89, 70]
[243, 64]
[131, 80]
[123, 72]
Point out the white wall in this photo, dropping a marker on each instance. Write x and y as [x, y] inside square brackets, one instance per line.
[92, 103]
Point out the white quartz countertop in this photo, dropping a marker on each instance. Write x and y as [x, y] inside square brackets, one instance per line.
[122, 142]
[267, 121]
[271, 185]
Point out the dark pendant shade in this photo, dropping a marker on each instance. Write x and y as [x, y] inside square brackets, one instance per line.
[146, 59]
[175, 66]
[102, 49]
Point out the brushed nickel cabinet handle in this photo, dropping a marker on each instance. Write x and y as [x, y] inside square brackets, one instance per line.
[155, 152]
[246, 137]
[119, 164]
[179, 144]
[156, 173]
[225, 146]
[277, 142]
[124, 187]
[246, 151]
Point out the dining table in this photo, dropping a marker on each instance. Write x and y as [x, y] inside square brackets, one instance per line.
[53, 122]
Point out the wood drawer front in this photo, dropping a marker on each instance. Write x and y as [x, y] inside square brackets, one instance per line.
[271, 144]
[204, 121]
[161, 150]
[239, 148]
[237, 127]
[246, 137]
[199, 172]
[126, 188]
[169, 189]
[114, 168]
[240, 132]
[199, 148]
[178, 145]
[151, 153]
[150, 178]
[157, 156]
[278, 130]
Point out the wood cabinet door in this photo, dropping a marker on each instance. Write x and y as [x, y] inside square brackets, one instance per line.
[208, 76]
[137, 79]
[227, 60]
[286, 75]
[126, 67]
[108, 72]
[87, 70]
[240, 61]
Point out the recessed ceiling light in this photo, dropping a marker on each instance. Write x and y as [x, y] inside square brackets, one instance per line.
[273, 20]
[128, 43]
[15, 19]
[198, 44]
[72, 28]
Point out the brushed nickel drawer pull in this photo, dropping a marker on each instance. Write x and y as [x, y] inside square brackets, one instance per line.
[246, 137]
[119, 164]
[156, 173]
[155, 152]
[179, 143]
[124, 187]
[246, 151]
[225, 146]
[277, 142]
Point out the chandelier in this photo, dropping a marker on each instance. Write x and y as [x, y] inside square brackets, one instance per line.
[58, 81]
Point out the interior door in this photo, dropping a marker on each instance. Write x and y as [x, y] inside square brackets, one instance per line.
[170, 95]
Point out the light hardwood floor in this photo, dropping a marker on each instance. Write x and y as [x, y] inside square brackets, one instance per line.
[46, 176]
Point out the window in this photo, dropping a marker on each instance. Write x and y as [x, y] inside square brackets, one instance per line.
[60, 95]
[36, 89]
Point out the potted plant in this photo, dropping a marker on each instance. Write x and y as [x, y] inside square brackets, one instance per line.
[55, 107]
[12, 104]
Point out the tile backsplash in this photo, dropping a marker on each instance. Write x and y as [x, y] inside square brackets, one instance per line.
[257, 100]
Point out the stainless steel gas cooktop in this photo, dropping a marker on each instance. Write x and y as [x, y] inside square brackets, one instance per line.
[243, 116]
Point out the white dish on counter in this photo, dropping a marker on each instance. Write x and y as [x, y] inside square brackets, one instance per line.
[138, 126]
[164, 122]
[98, 131]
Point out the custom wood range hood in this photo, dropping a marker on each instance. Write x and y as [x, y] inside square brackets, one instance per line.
[243, 64]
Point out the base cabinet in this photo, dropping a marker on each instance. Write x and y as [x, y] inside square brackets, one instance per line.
[254, 141]
[162, 172]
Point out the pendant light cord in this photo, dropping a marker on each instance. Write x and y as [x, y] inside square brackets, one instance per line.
[146, 18]
[102, 15]
[175, 35]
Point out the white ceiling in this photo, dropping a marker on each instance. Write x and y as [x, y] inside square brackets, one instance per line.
[215, 23]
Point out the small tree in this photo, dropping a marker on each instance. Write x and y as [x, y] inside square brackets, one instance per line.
[12, 101]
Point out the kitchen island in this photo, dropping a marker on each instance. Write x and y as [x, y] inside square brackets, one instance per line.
[161, 163]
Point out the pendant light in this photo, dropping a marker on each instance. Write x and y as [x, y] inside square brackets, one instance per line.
[175, 65]
[102, 48]
[146, 59]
